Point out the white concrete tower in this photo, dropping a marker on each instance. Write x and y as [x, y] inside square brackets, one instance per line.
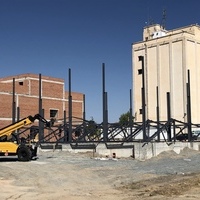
[168, 57]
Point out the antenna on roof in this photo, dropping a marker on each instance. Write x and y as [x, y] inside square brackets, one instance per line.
[163, 23]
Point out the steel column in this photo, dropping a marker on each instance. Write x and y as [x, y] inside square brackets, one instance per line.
[13, 103]
[169, 137]
[141, 58]
[41, 130]
[105, 118]
[84, 124]
[189, 109]
[70, 108]
[158, 114]
[65, 129]
[131, 113]
[83, 107]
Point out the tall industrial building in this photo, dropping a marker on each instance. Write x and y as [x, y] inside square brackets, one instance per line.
[169, 56]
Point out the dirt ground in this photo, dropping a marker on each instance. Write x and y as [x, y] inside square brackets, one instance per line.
[63, 175]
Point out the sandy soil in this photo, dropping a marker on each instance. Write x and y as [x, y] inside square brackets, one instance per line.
[64, 175]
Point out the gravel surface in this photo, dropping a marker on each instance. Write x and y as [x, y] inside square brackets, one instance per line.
[63, 175]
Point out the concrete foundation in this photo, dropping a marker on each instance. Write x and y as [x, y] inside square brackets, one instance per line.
[135, 150]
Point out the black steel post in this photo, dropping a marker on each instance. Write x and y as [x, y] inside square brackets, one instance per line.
[141, 58]
[189, 120]
[13, 103]
[131, 113]
[84, 108]
[157, 113]
[169, 137]
[65, 128]
[84, 124]
[105, 131]
[41, 130]
[42, 125]
[70, 108]
[106, 113]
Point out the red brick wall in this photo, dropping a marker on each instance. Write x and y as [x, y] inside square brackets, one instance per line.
[27, 97]
[53, 90]
[34, 87]
[5, 87]
[22, 89]
[19, 89]
[4, 123]
[6, 105]
[28, 106]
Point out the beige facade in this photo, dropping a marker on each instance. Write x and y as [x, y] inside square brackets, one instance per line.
[168, 55]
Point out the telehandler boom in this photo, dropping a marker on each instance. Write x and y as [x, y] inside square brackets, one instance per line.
[11, 145]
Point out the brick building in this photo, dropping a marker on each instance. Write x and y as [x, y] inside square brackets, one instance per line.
[26, 87]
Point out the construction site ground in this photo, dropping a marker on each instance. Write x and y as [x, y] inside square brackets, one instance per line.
[61, 175]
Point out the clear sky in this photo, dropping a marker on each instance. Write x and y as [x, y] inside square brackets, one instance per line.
[51, 36]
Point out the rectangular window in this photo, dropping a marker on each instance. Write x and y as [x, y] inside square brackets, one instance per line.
[21, 83]
[139, 71]
[53, 113]
[140, 111]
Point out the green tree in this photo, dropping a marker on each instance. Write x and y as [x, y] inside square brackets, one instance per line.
[92, 129]
[124, 119]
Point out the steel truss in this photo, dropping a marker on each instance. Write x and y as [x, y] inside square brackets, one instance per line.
[168, 131]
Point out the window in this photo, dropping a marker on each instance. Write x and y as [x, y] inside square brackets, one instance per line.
[53, 113]
[21, 83]
[140, 111]
[139, 71]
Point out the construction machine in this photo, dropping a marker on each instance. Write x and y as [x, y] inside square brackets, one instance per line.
[12, 145]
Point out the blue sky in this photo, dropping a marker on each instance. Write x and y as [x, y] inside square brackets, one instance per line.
[51, 36]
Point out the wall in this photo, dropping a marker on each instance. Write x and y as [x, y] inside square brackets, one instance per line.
[54, 96]
[139, 152]
[167, 61]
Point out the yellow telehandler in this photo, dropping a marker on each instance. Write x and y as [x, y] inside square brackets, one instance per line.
[12, 145]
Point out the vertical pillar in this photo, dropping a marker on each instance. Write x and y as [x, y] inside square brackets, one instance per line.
[131, 113]
[105, 112]
[84, 124]
[65, 128]
[70, 108]
[13, 103]
[41, 130]
[158, 115]
[169, 137]
[189, 109]
[84, 108]
[141, 58]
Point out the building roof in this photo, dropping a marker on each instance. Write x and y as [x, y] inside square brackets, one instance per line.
[29, 76]
[156, 31]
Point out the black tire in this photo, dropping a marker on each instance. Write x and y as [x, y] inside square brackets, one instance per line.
[24, 153]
